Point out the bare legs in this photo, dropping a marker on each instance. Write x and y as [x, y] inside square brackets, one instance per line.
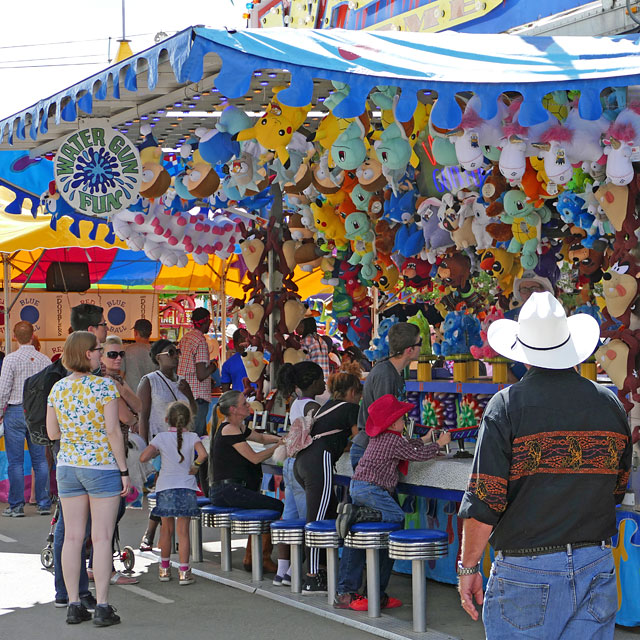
[182, 530]
[103, 523]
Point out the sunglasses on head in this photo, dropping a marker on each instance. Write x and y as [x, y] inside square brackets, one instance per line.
[172, 351]
[114, 354]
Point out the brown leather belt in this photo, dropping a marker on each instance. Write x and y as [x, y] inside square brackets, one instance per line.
[541, 551]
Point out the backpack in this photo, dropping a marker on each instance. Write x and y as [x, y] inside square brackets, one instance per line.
[34, 400]
[299, 436]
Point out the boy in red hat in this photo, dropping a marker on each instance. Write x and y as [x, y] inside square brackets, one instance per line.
[376, 476]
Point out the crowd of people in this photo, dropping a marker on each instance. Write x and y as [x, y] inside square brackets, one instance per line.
[101, 392]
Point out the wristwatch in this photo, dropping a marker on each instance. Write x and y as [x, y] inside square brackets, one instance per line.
[466, 571]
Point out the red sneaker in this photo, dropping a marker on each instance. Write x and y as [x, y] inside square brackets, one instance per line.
[388, 602]
[359, 603]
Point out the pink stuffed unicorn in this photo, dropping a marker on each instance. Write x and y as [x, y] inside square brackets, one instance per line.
[620, 140]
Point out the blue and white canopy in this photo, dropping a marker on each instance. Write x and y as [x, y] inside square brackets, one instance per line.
[446, 63]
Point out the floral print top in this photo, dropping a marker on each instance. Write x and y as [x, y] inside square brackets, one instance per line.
[79, 405]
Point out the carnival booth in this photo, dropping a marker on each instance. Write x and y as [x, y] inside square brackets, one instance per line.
[453, 173]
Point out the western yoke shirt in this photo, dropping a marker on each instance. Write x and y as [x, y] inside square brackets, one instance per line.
[379, 463]
[194, 349]
[551, 462]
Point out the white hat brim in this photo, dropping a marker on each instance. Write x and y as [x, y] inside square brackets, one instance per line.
[584, 331]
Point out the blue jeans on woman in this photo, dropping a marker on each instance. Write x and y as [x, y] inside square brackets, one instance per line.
[566, 595]
[15, 433]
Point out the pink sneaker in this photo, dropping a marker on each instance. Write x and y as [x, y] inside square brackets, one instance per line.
[121, 578]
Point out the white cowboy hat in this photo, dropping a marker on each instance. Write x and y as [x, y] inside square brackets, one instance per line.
[543, 336]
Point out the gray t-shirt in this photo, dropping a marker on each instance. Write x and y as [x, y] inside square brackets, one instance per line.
[384, 378]
[137, 363]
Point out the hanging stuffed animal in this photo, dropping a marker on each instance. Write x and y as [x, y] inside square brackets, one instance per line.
[525, 221]
[358, 230]
[276, 127]
[621, 141]
[155, 178]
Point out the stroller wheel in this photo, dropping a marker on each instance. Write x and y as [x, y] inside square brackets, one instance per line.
[128, 558]
[46, 557]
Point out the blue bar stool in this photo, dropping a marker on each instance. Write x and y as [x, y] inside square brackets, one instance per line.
[253, 523]
[322, 534]
[372, 536]
[151, 500]
[196, 531]
[418, 545]
[291, 532]
[218, 517]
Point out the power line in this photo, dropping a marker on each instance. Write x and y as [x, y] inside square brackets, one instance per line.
[88, 55]
[40, 66]
[50, 44]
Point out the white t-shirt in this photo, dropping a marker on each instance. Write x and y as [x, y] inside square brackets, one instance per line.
[173, 473]
[298, 407]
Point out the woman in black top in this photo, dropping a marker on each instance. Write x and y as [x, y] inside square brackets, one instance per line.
[236, 466]
[314, 465]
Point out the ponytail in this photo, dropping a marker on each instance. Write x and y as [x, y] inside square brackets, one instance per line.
[301, 375]
[179, 417]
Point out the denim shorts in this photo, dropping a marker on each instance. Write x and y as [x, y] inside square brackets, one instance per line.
[97, 483]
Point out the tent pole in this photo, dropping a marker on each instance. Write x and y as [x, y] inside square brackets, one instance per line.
[222, 304]
[6, 274]
[374, 311]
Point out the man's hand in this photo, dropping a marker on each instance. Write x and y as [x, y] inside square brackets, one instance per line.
[183, 387]
[470, 587]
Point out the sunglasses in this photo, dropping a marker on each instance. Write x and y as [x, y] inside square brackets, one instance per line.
[169, 352]
[112, 355]
[418, 344]
[100, 324]
[97, 349]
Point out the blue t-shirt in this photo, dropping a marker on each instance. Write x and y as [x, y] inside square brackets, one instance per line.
[233, 371]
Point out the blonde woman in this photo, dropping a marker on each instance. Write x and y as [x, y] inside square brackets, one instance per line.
[92, 470]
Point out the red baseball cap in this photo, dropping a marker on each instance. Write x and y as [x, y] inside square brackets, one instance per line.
[383, 412]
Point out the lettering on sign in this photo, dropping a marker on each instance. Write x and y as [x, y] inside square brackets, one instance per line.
[98, 171]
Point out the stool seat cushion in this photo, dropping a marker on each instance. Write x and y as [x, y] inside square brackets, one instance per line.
[376, 527]
[202, 500]
[288, 524]
[322, 526]
[212, 509]
[255, 514]
[418, 536]
[152, 496]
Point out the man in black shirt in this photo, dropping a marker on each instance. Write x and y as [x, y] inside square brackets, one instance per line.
[551, 463]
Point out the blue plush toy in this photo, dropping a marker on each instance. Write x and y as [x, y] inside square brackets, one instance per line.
[460, 332]
[379, 346]
[400, 207]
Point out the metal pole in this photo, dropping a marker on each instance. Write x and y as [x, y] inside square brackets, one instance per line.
[225, 548]
[332, 574]
[296, 568]
[419, 589]
[373, 582]
[256, 557]
[374, 311]
[196, 539]
[123, 29]
[223, 315]
[6, 274]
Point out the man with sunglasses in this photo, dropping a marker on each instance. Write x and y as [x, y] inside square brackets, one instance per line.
[385, 377]
[137, 362]
[196, 367]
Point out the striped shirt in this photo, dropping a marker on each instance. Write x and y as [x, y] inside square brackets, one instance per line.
[194, 349]
[379, 464]
[16, 368]
[318, 352]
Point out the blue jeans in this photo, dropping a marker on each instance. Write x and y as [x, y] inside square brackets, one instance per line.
[563, 595]
[200, 420]
[15, 433]
[58, 541]
[352, 561]
[295, 500]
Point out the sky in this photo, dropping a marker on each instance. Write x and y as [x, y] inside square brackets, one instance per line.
[48, 45]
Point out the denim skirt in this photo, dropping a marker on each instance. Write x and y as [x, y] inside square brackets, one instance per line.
[176, 503]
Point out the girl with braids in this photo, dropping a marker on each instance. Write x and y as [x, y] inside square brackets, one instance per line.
[337, 421]
[306, 381]
[176, 486]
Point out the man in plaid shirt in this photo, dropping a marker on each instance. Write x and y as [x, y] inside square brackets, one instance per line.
[314, 346]
[195, 367]
[16, 368]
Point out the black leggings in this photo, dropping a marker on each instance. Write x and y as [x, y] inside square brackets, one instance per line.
[235, 495]
[313, 469]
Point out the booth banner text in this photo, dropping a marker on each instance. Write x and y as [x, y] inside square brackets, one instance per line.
[50, 314]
